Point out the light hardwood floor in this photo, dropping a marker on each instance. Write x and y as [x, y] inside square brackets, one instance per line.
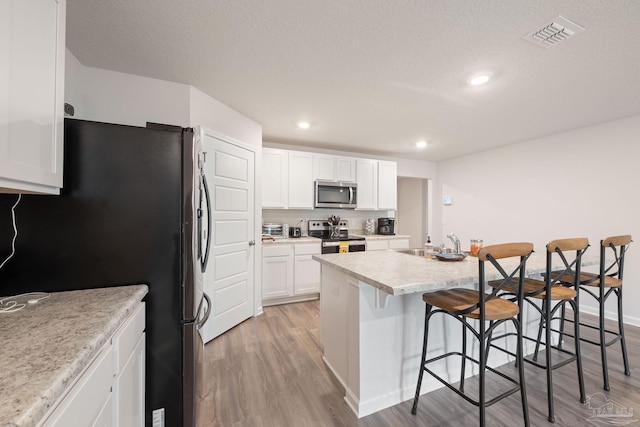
[268, 371]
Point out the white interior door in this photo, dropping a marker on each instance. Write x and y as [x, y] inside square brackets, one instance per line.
[229, 278]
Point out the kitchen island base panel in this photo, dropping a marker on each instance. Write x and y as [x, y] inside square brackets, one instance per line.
[375, 352]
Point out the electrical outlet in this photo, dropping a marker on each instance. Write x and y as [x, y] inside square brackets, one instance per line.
[158, 417]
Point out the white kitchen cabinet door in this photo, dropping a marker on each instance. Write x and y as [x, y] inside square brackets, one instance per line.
[324, 167]
[275, 178]
[367, 180]
[387, 185]
[277, 271]
[300, 180]
[32, 43]
[129, 389]
[306, 275]
[345, 169]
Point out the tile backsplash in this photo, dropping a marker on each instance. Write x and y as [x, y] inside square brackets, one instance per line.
[292, 216]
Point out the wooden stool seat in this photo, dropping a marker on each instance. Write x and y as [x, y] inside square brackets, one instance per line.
[458, 300]
[536, 289]
[589, 279]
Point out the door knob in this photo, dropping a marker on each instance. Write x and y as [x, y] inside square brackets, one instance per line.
[252, 242]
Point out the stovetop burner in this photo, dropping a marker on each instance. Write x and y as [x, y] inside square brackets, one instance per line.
[321, 229]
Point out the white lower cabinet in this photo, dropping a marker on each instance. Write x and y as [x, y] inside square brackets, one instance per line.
[289, 272]
[384, 244]
[110, 392]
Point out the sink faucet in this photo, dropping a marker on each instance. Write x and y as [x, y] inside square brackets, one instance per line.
[456, 242]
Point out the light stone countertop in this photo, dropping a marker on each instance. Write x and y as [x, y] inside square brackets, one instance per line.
[45, 346]
[381, 236]
[292, 240]
[398, 274]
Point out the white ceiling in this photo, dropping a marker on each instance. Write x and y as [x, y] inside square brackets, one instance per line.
[374, 76]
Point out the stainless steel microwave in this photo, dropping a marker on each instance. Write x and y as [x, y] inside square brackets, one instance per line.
[335, 194]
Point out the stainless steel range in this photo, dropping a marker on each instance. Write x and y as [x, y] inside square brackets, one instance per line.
[320, 228]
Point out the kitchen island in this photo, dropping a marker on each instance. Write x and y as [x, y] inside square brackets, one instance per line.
[52, 343]
[372, 317]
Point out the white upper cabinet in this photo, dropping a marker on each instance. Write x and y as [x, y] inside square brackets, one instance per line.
[275, 178]
[367, 180]
[32, 43]
[300, 180]
[387, 185]
[377, 184]
[334, 168]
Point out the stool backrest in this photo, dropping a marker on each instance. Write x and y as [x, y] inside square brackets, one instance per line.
[570, 253]
[493, 254]
[617, 245]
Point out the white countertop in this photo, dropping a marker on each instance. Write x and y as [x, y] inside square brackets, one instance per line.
[382, 236]
[397, 274]
[292, 240]
[45, 346]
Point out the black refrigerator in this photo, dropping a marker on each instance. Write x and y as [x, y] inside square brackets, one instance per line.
[133, 210]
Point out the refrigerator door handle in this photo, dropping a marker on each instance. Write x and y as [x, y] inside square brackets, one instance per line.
[204, 260]
[207, 313]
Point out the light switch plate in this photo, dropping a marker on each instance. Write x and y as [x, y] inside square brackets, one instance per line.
[447, 201]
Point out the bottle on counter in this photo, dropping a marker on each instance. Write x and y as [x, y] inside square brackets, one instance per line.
[428, 247]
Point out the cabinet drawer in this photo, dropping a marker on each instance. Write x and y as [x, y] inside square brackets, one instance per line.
[84, 402]
[127, 336]
[307, 249]
[377, 245]
[399, 244]
[276, 250]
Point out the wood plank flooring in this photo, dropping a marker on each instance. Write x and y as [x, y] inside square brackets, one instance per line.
[268, 371]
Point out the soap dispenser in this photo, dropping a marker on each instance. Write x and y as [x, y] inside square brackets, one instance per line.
[428, 247]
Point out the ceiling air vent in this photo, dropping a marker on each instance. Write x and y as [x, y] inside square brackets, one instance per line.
[554, 32]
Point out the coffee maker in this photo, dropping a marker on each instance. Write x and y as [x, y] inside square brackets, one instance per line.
[386, 226]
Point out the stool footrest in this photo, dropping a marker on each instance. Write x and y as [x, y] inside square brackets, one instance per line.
[469, 399]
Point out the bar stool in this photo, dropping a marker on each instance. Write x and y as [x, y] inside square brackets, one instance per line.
[554, 295]
[467, 306]
[607, 282]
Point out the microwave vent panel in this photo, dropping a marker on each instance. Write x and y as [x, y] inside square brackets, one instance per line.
[553, 32]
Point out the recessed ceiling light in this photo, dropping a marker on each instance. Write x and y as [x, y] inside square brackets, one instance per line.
[479, 80]
[304, 125]
[420, 144]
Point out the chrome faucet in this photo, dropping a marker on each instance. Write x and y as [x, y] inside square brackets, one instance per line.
[456, 242]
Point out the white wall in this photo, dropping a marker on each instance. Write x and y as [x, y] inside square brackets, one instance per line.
[213, 114]
[575, 184]
[411, 218]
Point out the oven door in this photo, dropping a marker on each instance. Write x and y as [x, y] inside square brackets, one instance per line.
[333, 247]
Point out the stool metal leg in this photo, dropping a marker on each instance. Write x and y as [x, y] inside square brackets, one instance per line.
[576, 332]
[603, 343]
[547, 352]
[424, 358]
[482, 368]
[623, 343]
[464, 357]
[520, 364]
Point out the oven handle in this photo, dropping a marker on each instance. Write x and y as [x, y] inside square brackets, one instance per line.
[351, 243]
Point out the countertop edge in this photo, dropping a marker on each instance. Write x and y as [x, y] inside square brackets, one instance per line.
[46, 399]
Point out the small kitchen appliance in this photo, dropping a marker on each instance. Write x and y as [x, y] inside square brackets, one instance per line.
[386, 226]
[335, 194]
[321, 228]
[295, 232]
